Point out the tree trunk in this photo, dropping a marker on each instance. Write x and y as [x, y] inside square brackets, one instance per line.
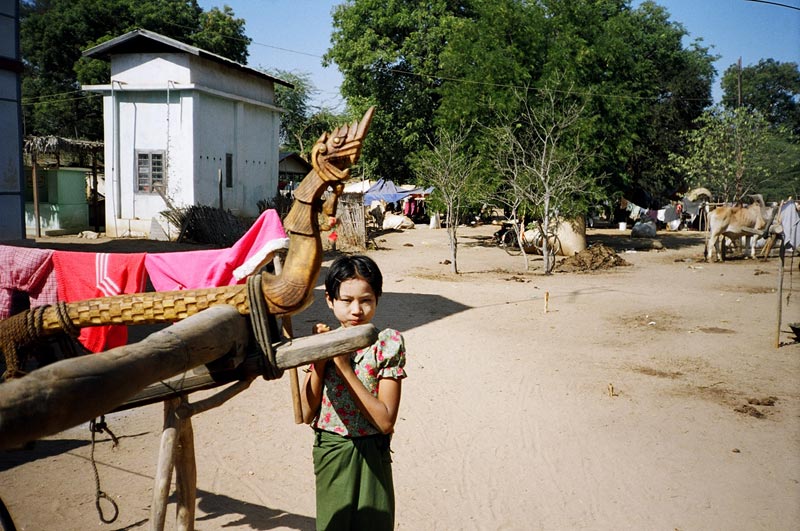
[452, 234]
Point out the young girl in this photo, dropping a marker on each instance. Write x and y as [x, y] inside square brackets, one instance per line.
[351, 401]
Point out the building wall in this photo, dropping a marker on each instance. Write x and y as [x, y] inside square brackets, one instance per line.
[216, 115]
[149, 69]
[250, 134]
[12, 220]
[65, 207]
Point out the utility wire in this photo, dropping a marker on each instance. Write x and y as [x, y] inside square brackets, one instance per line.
[26, 103]
[787, 6]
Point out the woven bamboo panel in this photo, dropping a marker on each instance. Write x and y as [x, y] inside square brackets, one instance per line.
[148, 308]
[351, 224]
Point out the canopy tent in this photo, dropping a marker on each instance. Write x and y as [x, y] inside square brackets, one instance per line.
[387, 191]
[357, 187]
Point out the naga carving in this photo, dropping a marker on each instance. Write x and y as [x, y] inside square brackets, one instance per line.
[286, 293]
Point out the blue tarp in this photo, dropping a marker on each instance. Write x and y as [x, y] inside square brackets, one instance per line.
[387, 191]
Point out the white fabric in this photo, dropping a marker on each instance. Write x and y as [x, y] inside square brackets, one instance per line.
[790, 220]
[261, 257]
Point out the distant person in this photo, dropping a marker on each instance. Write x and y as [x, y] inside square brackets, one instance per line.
[352, 401]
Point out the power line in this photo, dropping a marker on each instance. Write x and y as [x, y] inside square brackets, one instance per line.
[51, 95]
[787, 6]
[25, 103]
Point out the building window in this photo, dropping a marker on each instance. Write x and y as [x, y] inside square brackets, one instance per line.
[228, 170]
[150, 170]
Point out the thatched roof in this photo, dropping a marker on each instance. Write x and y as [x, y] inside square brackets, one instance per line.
[57, 144]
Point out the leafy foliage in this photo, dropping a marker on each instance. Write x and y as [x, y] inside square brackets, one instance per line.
[770, 87]
[735, 152]
[301, 126]
[445, 63]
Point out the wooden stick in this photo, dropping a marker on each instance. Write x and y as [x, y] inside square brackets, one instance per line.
[294, 380]
[76, 390]
[166, 462]
[185, 476]
[782, 254]
[288, 333]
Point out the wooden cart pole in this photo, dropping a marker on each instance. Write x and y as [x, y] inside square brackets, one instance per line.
[68, 392]
[166, 462]
[185, 475]
[294, 381]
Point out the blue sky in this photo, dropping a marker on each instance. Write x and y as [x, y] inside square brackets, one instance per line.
[293, 35]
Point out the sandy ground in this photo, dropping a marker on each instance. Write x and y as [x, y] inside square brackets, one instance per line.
[615, 409]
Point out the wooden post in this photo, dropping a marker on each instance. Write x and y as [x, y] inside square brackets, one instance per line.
[95, 201]
[166, 461]
[782, 255]
[185, 475]
[294, 381]
[35, 195]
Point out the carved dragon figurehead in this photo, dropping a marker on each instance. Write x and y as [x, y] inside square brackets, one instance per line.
[331, 158]
[335, 152]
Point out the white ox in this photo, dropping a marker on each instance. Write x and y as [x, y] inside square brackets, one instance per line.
[735, 222]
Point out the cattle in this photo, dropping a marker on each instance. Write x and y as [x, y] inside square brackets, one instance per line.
[735, 222]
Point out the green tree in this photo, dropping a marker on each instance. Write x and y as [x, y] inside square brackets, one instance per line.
[770, 87]
[388, 53]
[54, 33]
[448, 62]
[734, 153]
[301, 124]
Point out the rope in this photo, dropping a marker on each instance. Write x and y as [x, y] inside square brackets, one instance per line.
[64, 321]
[24, 328]
[261, 322]
[99, 427]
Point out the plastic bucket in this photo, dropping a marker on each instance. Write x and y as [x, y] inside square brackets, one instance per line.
[623, 226]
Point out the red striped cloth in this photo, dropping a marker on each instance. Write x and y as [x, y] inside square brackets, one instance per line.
[84, 276]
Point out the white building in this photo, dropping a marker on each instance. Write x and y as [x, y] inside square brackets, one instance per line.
[183, 126]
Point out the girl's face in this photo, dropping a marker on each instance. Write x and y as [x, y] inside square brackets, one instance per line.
[356, 303]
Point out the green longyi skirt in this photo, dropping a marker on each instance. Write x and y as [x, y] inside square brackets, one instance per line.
[354, 482]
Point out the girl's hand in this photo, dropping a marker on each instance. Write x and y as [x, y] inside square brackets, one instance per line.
[320, 328]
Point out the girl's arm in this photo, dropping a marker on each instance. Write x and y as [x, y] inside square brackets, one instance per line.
[380, 411]
[311, 395]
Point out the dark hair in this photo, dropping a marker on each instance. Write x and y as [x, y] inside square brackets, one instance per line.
[354, 266]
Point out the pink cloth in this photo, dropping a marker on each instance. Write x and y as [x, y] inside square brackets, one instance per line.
[27, 270]
[84, 276]
[213, 267]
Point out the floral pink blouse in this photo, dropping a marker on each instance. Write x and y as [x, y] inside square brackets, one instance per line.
[338, 412]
